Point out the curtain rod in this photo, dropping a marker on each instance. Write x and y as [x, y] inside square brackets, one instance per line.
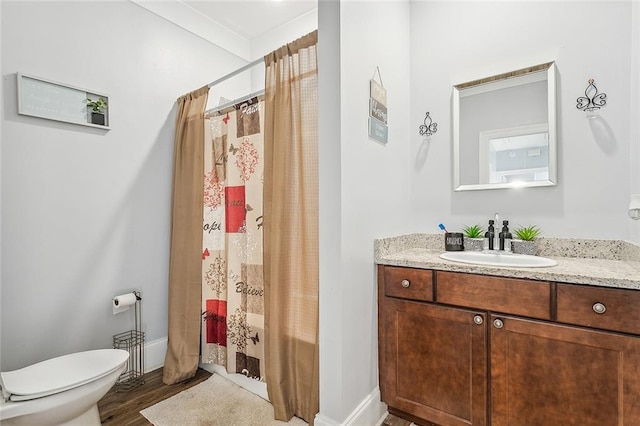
[236, 72]
[232, 103]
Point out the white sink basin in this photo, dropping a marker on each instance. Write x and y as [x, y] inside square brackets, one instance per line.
[499, 259]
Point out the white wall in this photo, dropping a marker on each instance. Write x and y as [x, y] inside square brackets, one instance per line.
[454, 42]
[634, 153]
[364, 193]
[86, 212]
[1, 139]
[252, 80]
[283, 34]
[330, 207]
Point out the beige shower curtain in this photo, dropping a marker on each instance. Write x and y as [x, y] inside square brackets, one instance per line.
[291, 229]
[181, 360]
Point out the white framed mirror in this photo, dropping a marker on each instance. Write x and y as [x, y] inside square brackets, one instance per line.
[504, 130]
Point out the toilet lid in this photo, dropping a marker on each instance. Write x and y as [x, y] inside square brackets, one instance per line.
[61, 373]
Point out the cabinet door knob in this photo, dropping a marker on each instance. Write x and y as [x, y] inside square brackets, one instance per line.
[478, 319]
[497, 323]
[599, 308]
[405, 283]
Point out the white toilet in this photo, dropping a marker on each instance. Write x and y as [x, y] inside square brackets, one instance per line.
[60, 391]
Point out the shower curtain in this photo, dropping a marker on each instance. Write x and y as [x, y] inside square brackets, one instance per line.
[181, 359]
[232, 272]
[250, 315]
[291, 229]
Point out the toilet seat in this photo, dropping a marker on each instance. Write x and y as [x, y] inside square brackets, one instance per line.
[60, 374]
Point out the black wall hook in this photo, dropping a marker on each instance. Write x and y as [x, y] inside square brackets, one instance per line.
[427, 129]
[592, 100]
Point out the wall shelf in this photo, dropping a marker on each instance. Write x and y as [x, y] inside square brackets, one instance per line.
[38, 97]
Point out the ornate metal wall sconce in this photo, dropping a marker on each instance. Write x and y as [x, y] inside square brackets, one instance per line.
[428, 129]
[592, 100]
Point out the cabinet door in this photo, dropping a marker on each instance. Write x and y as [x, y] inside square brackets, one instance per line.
[550, 374]
[433, 362]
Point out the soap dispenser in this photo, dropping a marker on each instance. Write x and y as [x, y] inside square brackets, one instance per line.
[489, 236]
[505, 237]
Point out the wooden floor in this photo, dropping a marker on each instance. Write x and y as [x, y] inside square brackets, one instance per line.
[392, 420]
[123, 408]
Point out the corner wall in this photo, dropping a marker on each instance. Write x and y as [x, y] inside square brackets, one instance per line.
[634, 157]
[364, 194]
[86, 212]
[1, 139]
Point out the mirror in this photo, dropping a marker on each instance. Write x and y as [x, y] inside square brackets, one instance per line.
[504, 130]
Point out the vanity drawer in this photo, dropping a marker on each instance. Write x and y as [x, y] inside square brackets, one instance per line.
[504, 295]
[598, 307]
[408, 283]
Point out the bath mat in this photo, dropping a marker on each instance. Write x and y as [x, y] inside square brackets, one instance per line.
[216, 401]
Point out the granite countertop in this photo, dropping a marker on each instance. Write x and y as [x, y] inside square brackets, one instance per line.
[606, 263]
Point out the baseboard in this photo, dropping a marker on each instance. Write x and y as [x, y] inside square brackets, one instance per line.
[154, 353]
[371, 411]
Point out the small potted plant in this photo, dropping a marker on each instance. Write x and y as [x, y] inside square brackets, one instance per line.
[98, 107]
[524, 243]
[473, 237]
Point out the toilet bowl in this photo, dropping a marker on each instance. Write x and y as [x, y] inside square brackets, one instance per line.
[60, 391]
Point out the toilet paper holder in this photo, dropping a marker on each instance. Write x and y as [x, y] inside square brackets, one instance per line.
[123, 302]
[132, 341]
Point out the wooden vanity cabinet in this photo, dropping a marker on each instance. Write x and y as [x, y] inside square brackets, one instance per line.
[433, 363]
[553, 374]
[485, 350]
[433, 359]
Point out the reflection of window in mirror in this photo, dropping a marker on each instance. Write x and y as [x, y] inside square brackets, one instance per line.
[514, 155]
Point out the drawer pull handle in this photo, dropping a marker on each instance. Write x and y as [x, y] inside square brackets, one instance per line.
[478, 319]
[405, 283]
[497, 323]
[599, 308]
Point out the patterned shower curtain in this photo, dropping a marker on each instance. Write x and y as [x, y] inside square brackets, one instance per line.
[232, 271]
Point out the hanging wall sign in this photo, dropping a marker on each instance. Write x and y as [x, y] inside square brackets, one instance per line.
[378, 128]
[377, 110]
[378, 92]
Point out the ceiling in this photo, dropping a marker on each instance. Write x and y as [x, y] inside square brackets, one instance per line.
[252, 18]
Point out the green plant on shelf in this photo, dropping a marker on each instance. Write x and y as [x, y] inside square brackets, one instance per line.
[473, 231]
[527, 233]
[97, 106]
